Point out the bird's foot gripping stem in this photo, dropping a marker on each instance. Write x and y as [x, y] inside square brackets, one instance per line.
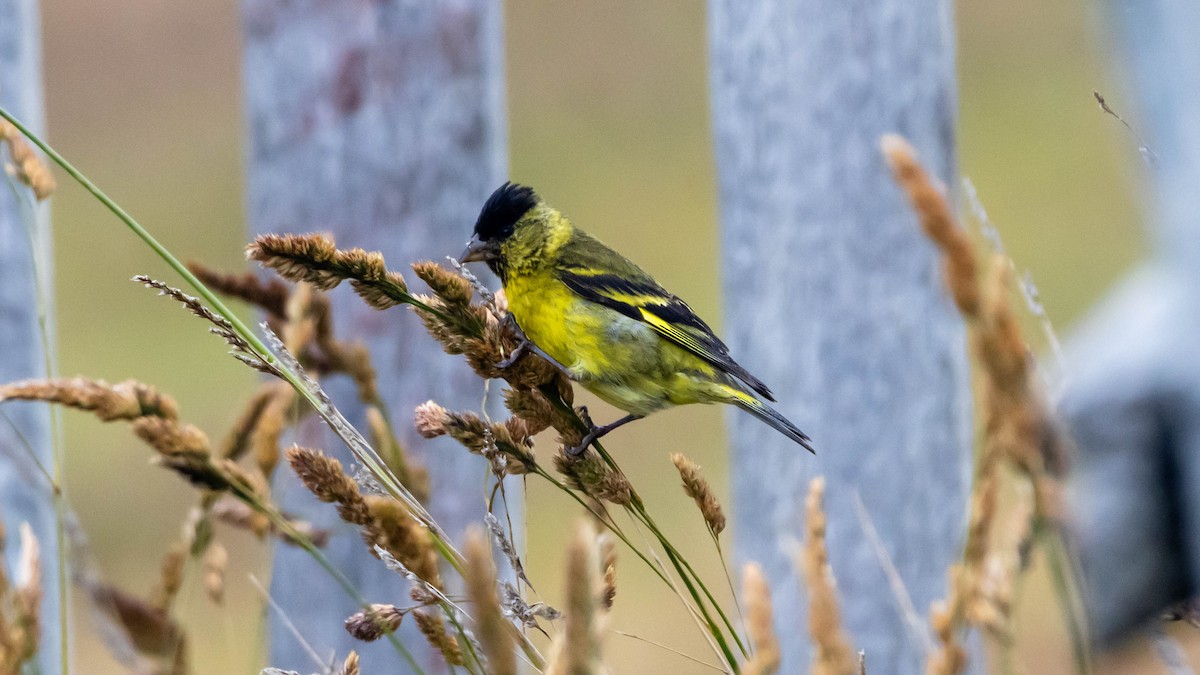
[595, 432]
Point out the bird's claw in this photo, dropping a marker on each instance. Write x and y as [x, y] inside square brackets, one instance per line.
[515, 355]
[588, 438]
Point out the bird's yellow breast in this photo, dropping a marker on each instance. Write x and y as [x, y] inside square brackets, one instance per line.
[560, 322]
[621, 360]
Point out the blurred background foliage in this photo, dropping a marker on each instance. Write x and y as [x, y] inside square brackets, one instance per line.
[608, 110]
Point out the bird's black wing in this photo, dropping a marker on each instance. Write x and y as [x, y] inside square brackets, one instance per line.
[598, 274]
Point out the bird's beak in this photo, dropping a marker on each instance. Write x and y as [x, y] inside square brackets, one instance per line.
[480, 251]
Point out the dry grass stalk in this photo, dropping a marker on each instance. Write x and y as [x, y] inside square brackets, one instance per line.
[1019, 429]
[20, 605]
[590, 474]
[399, 534]
[579, 652]
[433, 627]
[170, 576]
[759, 623]
[276, 413]
[324, 477]
[314, 258]
[27, 166]
[384, 521]
[510, 438]
[216, 560]
[350, 665]
[375, 622]
[834, 654]
[608, 570]
[490, 624]
[237, 514]
[938, 221]
[699, 490]
[476, 330]
[127, 400]
[270, 295]
[239, 439]
[302, 316]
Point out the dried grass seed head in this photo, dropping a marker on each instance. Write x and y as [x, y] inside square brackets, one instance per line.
[452, 288]
[270, 295]
[833, 655]
[700, 491]
[937, 219]
[433, 627]
[375, 622]
[306, 257]
[759, 623]
[581, 650]
[398, 533]
[27, 166]
[123, 401]
[324, 477]
[589, 474]
[490, 625]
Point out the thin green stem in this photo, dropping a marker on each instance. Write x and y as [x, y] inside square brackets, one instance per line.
[1063, 577]
[707, 593]
[678, 561]
[728, 577]
[608, 522]
[639, 507]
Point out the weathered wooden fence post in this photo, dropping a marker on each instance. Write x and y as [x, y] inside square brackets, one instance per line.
[832, 293]
[1132, 393]
[25, 233]
[383, 123]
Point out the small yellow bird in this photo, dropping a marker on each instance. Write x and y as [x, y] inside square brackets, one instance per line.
[604, 321]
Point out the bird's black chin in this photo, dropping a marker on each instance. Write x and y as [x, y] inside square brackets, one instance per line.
[496, 265]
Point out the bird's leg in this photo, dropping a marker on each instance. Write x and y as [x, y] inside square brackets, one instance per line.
[525, 345]
[597, 432]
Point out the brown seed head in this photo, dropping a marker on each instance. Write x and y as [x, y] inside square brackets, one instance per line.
[589, 474]
[350, 665]
[608, 569]
[125, 401]
[27, 166]
[451, 287]
[757, 596]
[324, 477]
[937, 219]
[833, 655]
[581, 649]
[490, 625]
[373, 624]
[172, 438]
[216, 560]
[699, 490]
[270, 295]
[433, 628]
[395, 530]
[170, 576]
[298, 257]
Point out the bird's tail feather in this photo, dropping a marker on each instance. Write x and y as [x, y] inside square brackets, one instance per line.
[772, 417]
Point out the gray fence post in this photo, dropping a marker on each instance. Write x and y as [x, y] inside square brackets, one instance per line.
[24, 493]
[1132, 394]
[834, 297]
[382, 123]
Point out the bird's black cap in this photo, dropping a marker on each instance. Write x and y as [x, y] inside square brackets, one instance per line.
[502, 211]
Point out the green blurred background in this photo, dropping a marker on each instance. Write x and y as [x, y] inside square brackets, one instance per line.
[607, 107]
